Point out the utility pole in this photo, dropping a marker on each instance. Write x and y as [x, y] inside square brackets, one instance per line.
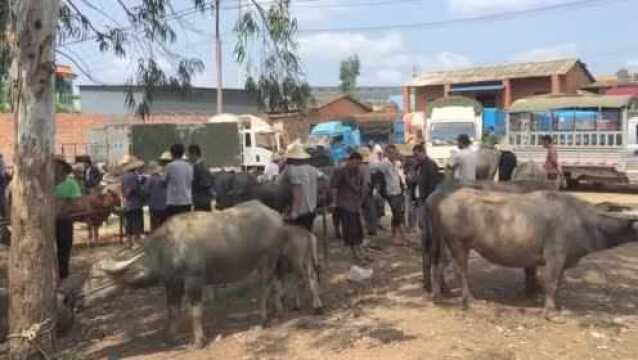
[218, 58]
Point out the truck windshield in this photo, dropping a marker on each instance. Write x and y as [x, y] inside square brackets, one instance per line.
[266, 140]
[447, 133]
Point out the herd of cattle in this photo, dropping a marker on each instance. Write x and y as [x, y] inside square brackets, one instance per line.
[524, 223]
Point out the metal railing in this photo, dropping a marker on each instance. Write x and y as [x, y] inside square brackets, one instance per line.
[584, 139]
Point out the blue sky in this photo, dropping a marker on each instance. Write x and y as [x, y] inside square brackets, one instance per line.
[601, 33]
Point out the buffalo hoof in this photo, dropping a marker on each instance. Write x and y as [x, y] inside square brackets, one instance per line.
[319, 311]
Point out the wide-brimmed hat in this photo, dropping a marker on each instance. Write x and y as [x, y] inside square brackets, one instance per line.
[153, 168]
[297, 152]
[129, 163]
[166, 156]
[365, 153]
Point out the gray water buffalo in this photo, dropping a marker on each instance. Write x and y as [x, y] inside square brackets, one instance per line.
[234, 188]
[542, 229]
[196, 249]
[449, 186]
[488, 161]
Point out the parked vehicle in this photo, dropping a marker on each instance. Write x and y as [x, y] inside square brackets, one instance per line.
[336, 135]
[259, 140]
[446, 119]
[595, 135]
[227, 141]
[449, 117]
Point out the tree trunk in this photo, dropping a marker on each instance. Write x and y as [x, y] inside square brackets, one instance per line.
[32, 259]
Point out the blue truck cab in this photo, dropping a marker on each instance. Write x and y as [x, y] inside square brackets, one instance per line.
[338, 136]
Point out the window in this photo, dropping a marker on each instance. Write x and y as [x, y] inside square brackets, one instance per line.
[247, 140]
[542, 122]
[609, 120]
[564, 120]
[266, 141]
[446, 133]
[585, 120]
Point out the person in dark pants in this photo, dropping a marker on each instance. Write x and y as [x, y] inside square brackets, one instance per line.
[368, 206]
[133, 199]
[302, 178]
[66, 189]
[202, 180]
[179, 182]
[155, 190]
[349, 188]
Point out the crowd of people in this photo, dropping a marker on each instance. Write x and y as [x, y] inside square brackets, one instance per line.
[372, 177]
[360, 187]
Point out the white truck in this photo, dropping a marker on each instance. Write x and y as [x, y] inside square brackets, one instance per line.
[446, 119]
[258, 139]
[595, 135]
[227, 141]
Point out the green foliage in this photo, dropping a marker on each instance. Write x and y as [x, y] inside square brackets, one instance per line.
[349, 71]
[147, 33]
[269, 34]
[4, 44]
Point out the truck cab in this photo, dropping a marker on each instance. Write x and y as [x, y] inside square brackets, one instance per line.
[258, 139]
[338, 136]
[449, 118]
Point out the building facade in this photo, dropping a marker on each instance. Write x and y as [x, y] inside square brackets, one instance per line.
[499, 85]
[110, 100]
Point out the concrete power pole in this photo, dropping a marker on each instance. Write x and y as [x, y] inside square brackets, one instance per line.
[218, 58]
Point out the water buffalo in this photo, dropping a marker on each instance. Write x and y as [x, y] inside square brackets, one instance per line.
[488, 161]
[449, 186]
[196, 249]
[542, 229]
[234, 188]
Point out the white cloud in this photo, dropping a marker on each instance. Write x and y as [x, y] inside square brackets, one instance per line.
[445, 61]
[486, 7]
[385, 60]
[547, 53]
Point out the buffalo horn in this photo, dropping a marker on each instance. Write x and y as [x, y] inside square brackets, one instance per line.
[115, 267]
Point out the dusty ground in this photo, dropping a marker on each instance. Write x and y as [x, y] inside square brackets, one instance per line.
[389, 318]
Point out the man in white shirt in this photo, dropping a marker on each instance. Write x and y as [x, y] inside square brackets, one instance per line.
[464, 161]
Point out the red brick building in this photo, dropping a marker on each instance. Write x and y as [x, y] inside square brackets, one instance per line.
[613, 86]
[500, 85]
[336, 108]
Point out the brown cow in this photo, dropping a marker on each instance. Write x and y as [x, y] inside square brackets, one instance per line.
[92, 209]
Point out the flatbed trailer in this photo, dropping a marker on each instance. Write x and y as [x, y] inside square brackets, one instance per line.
[595, 135]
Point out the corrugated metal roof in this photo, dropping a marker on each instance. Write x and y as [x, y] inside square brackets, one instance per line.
[548, 102]
[497, 72]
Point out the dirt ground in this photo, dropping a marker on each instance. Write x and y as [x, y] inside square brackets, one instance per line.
[389, 317]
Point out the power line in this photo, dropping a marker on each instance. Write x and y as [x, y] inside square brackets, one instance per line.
[440, 23]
